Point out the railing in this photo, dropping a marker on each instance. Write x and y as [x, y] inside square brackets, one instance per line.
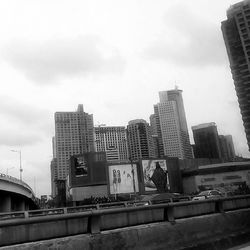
[50, 223]
[170, 202]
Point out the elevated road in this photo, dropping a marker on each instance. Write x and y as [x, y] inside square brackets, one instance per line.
[15, 195]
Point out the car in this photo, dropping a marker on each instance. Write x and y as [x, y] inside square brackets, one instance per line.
[208, 194]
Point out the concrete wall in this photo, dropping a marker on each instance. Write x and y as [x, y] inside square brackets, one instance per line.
[216, 231]
[47, 224]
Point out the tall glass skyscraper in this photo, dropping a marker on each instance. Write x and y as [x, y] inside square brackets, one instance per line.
[236, 33]
[171, 125]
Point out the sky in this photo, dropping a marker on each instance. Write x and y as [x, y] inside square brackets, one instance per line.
[113, 57]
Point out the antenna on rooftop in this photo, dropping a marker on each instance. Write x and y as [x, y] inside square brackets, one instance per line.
[175, 85]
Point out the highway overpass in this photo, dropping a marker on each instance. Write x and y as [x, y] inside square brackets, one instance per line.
[15, 195]
[205, 224]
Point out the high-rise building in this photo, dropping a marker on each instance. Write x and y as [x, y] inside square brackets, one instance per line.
[53, 169]
[206, 140]
[113, 141]
[139, 138]
[171, 125]
[227, 147]
[54, 177]
[236, 33]
[154, 123]
[74, 134]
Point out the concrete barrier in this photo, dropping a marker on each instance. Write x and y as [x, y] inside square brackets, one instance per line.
[214, 231]
[47, 224]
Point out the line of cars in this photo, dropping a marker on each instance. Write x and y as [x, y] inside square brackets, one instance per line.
[208, 194]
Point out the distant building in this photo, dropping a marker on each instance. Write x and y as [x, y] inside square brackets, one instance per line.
[139, 138]
[156, 132]
[74, 134]
[113, 141]
[206, 140]
[237, 40]
[227, 147]
[156, 140]
[233, 177]
[171, 125]
[54, 176]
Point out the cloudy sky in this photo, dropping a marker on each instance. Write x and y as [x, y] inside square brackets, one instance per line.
[113, 57]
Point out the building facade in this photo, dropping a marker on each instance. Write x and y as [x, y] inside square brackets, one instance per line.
[156, 139]
[74, 134]
[139, 138]
[53, 176]
[236, 33]
[227, 147]
[113, 141]
[171, 125]
[206, 138]
[233, 177]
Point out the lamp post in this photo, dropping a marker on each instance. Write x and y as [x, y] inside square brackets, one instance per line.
[133, 175]
[20, 159]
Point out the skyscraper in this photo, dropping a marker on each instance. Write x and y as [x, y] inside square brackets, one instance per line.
[171, 125]
[227, 147]
[157, 141]
[236, 33]
[206, 138]
[74, 134]
[113, 141]
[139, 138]
[54, 177]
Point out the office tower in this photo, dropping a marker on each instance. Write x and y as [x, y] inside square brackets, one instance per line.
[172, 125]
[227, 147]
[236, 33]
[206, 141]
[74, 134]
[54, 176]
[113, 141]
[154, 123]
[139, 139]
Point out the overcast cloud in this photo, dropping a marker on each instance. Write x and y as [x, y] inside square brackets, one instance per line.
[43, 62]
[16, 137]
[188, 40]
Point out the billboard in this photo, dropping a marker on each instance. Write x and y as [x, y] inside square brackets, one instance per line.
[88, 169]
[81, 168]
[122, 180]
[148, 168]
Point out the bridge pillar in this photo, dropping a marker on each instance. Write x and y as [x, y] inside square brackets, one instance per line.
[21, 205]
[5, 204]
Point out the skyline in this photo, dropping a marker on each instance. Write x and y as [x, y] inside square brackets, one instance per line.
[91, 53]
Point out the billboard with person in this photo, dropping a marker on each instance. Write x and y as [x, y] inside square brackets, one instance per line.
[81, 168]
[123, 179]
[149, 175]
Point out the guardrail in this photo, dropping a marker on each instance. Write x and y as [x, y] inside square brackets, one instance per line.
[51, 223]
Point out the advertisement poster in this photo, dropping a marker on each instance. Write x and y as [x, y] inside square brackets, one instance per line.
[122, 180]
[148, 167]
[81, 168]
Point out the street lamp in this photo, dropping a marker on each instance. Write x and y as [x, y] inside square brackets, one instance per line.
[20, 158]
[133, 175]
